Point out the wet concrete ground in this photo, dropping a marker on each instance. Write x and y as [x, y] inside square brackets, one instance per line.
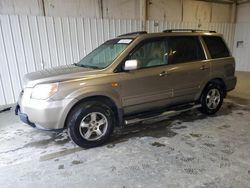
[185, 150]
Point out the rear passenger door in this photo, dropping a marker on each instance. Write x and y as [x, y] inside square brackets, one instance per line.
[187, 67]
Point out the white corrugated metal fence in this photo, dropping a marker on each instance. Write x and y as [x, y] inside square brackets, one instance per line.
[242, 46]
[31, 43]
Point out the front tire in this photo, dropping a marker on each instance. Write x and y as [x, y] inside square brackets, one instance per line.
[90, 124]
[211, 99]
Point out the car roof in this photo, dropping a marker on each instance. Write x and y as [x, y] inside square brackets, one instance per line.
[176, 32]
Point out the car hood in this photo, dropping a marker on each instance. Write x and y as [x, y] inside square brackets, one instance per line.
[57, 74]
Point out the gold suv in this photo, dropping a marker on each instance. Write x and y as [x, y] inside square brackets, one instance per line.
[127, 77]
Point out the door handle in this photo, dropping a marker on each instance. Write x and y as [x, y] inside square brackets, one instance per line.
[204, 67]
[163, 73]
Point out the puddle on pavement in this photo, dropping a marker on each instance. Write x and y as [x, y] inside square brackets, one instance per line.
[60, 167]
[110, 145]
[158, 144]
[193, 171]
[157, 130]
[5, 110]
[60, 153]
[40, 143]
[59, 138]
[239, 100]
[180, 127]
[209, 145]
[224, 126]
[76, 162]
[195, 135]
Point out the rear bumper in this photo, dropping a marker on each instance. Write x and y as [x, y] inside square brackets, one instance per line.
[231, 83]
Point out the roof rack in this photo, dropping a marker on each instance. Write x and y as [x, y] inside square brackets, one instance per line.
[187, 30]
[133, 33]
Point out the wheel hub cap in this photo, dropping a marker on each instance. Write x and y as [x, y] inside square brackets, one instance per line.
[93, 126]
[213, 99]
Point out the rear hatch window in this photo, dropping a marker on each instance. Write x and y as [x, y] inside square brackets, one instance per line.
[216, 46]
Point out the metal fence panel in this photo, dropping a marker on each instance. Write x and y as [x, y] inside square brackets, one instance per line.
[242, 46]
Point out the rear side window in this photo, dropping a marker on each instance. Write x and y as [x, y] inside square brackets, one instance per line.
[216, 47]
[184, 49]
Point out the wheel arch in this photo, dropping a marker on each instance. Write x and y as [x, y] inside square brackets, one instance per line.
[104, 99]
[218, 81]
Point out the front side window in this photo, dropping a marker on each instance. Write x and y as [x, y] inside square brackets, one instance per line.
[151, 53]
[184, 49]
[216, 46]
[105, 54]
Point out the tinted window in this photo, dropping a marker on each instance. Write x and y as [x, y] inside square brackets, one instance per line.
[184, 49]
[151, 53]
[216, 47]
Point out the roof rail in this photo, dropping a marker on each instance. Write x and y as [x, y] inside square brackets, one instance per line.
[187, 30]
[133, 33]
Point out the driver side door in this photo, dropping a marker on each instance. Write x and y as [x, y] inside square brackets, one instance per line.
[148, 87]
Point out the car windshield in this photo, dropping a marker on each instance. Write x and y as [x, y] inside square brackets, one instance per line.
[105, 54]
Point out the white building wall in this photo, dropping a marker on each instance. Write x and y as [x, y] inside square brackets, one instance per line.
[189, 11]
[170, 10]
[243, 13]
[24, 7]
[165, 10]
[121, 9]
[196, 11]
[81, 8]
[221, 13]
[242, 39]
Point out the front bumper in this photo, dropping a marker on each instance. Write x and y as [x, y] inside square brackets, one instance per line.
[43, 114]
[23, 117]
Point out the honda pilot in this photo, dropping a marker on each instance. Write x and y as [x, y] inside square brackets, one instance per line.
[126, 79]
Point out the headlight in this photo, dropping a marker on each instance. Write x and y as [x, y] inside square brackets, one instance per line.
[44, 91]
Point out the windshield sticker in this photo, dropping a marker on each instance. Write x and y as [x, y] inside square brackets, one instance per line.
[124, 41]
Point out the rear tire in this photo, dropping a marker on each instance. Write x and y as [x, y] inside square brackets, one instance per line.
[90, 124]
[211, 99]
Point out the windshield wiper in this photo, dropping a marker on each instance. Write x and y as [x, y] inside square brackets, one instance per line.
[87, 66]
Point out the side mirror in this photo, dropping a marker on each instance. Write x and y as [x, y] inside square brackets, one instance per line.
[132, 65]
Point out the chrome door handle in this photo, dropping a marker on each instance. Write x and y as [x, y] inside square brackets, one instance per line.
[163, 73]
[204, 67]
